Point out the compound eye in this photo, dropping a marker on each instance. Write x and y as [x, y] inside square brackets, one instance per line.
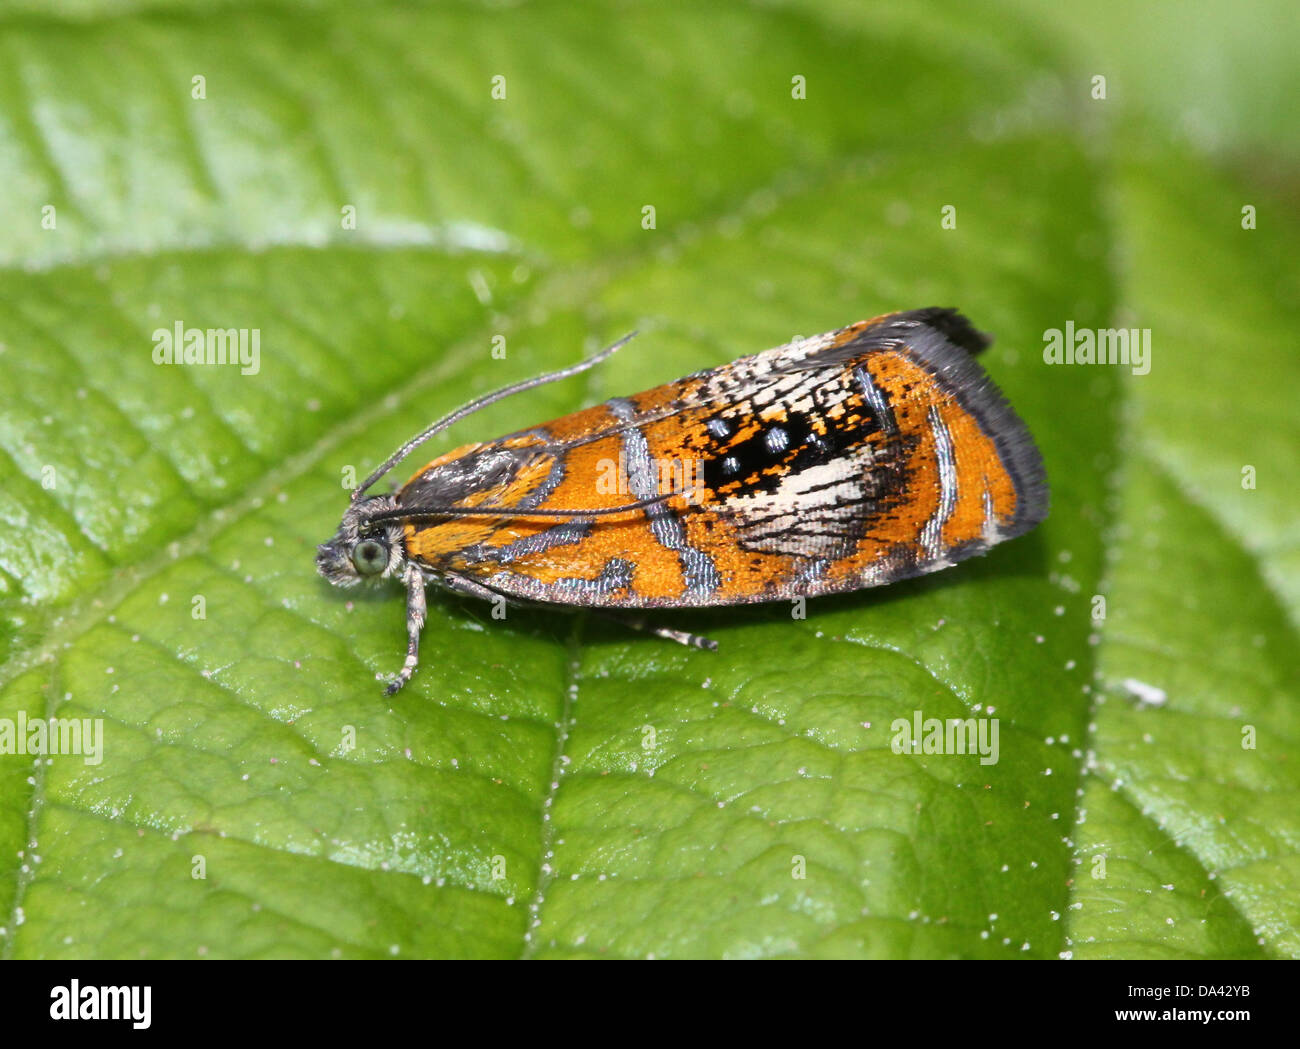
[370, 556]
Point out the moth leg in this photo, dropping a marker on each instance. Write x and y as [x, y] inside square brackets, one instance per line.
[471, 588]
[682, 637]
[416, 608]
[464, 585]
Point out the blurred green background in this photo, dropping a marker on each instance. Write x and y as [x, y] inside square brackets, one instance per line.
[550, 786]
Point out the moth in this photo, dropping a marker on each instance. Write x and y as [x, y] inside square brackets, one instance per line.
[851, 459]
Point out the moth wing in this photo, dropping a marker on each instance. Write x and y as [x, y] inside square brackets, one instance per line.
[851, 459]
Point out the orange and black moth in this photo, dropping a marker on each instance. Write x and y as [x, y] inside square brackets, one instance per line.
[845, 460]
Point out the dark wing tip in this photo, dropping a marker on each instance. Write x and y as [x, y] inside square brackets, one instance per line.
[948, 322]
[935, 348]
[944, 342]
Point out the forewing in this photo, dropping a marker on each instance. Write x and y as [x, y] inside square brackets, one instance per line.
[846, 460]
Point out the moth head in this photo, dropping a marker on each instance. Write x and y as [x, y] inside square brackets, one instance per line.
[363, 549]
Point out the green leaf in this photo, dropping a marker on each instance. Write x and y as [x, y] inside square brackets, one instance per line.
[1203, 596]
[550, 785]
